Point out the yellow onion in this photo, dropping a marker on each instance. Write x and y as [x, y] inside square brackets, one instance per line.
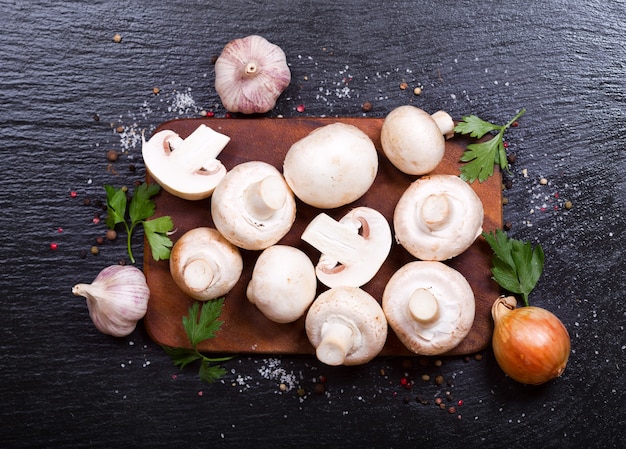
[530, 344]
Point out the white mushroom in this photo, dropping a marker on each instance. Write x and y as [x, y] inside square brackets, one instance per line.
[283, 283]
[413, 140]
[187, 168]
[353, 248]
[430, 306]
[253, 206]
[204, 264]
[438, 217]
[332, 166]
[347, 326]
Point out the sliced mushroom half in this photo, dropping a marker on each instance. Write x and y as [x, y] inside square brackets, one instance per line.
[187, 168]
[430, 306]
[353, 248]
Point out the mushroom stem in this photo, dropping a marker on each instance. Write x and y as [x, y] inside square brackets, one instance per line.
[337, 340]
[444, 123]
[423, 306]
[436, 211]
[198, 274]
[264, 197]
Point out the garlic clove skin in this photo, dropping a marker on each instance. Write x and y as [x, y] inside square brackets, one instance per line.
[117, 299]
[250, 75]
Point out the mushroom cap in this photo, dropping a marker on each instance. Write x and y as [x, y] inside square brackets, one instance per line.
[187, 168]
[438, 217]
[283, 283]
[411, 140]
[252, 206]
[332, 166]
[250, 75]
[353, 249]
[430, 306]
[347, 326]
[204, 264]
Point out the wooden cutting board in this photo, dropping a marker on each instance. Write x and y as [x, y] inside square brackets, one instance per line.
[245, 329]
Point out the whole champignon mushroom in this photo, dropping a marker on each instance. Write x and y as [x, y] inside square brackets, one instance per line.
[283, 283]
[204, 264]
[187, 168]
[332, 166]
[353, 248]
[347, 326]
[438, 217]
[250, 75]
[430, 306]
[413, 140]
[252, 206]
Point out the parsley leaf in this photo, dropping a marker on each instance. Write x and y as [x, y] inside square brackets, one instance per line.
[140, 209]
[516, 265]
[480, 158]
[201, 323]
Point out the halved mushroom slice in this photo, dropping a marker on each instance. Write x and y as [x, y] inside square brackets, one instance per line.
[204, 264]
[430, 306]
[347, 326]
[353, 248]
[253, 206]
[283, 283]
[187, 168]
[438, 217]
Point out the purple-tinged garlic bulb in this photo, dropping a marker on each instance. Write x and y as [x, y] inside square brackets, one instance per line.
[116, 299]
[250, 75]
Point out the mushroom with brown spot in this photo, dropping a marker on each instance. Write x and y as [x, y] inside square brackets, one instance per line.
[332, 166]
[187, 168]
[283, 283]
[252, 206]
[353, 248]
[347, 326]
[204, 264]
[438, 217]
[430, 306]
[413, 140]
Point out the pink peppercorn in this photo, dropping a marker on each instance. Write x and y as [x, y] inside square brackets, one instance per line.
[300, 108]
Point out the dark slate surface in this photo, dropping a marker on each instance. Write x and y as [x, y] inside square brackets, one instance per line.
[66, 385]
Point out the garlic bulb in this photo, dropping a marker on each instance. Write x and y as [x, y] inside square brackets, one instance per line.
[116, 299]
[250, 75]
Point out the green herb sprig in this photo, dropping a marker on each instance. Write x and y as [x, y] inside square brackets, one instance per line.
[141, 208]
[201, 324]
[481, 157]
[516, 265]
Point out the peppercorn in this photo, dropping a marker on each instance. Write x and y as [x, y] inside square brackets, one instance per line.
[111, 234]
[439, 380]
[417, 91]
[156, 90]
[367, 106]
[99, 240]
[319, 388]
[94, 250]
[117, 38]
[568, 205]
[112, 155]
[403, 86]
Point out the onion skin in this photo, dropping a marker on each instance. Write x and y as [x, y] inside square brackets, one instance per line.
[530, 344]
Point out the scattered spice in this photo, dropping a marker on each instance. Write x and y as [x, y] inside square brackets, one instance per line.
[117, 38]
[568, 205]
[111, 234]
[156, 90]
[403, 86]
[94, 250]
[417, 91]
[300, 108]
[112, 155]
[367, 106]
[54, 246]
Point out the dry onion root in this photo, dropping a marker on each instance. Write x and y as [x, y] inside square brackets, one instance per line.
[530, 344]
